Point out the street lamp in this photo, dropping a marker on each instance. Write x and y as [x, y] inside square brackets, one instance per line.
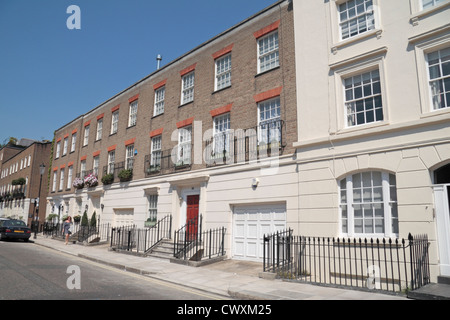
[36, 217]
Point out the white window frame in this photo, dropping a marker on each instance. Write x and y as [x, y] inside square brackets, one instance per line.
[153, 207]
[442, 79]
[268, 54]
[434, 4]
[223, 67]
[55, 175]
[74, 142]
[351, 68]
[160, 95]
[69, 177]
[61, 180]
[156, 151]
[66, 141]
[114, 122]
[356, 14]
[222, 127]
[96, 165]
[132, 119]
[422, 48]
[336, 32]
[111, 162]
[99, 130]
[187, 87]
[388, 205]
[58, 149]
[87, 130]
[129, 157]
[271, 109]
[83, 169]
[184, 145]
[369, 85]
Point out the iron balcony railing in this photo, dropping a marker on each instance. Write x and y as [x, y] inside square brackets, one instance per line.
[229, 147]
[169, 161]
[382, 264]
[242, 146]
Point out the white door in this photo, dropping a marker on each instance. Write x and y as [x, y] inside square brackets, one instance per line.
[123, 217]
[441, 196]
[250, 223]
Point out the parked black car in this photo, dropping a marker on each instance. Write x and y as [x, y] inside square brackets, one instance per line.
[14, 229]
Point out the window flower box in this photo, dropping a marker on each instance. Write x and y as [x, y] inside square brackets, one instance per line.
[108, 179]
[125, 175]
[91, 181]
[78, 183]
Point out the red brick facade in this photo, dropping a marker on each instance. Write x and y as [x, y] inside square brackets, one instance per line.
[240, 100]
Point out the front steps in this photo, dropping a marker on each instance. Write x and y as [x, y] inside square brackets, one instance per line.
[164, 250]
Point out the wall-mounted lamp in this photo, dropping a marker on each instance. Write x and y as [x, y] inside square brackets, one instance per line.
[102, 206]
[255, 183]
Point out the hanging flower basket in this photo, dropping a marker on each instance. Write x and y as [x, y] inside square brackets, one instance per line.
[91, 181]
[78, 183]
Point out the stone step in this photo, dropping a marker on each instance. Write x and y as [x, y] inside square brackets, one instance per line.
[444, 280]
[432, 291]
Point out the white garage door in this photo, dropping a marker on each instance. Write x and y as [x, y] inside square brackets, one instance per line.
[250, 223]
[123, 217]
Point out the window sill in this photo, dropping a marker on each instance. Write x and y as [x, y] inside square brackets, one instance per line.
[130, 127]
[220, 90]
[186, 103]
[435, 113]
[375, 32]
[415, 18]
[158, 115]
[267, 71]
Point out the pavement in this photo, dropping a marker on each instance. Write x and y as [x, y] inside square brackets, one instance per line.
[229, 279]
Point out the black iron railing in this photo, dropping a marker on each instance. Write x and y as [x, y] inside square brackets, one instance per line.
[132, 239]
[169, 161]
[80, 233]
[191, 243]
[187, 237]
[241, 146]
[383, 264]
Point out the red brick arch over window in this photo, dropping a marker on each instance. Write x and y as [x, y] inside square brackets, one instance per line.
[268, 94]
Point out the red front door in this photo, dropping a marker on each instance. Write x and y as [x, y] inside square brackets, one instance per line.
[192, 215]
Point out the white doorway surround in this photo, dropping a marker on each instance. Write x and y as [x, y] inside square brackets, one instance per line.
[441, 196]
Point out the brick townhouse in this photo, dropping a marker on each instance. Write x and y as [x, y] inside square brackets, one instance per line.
[209, 133]
[20, 179]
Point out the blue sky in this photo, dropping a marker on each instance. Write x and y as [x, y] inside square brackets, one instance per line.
[49, 74]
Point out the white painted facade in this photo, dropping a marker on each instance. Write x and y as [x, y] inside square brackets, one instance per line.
[410, 142]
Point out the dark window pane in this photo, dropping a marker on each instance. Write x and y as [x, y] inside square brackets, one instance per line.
[358, 93]
[359, 106]
[360, 118]
[369, 104]
[376, 88]
[370, 117]
[379, 114]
